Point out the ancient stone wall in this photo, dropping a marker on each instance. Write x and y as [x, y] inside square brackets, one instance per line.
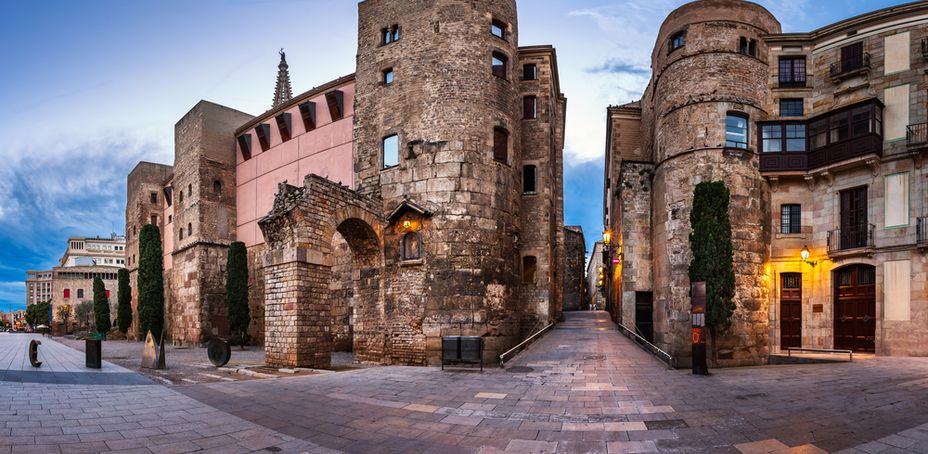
[573, 277]
[204, 221]
[146, 179]
[444, 104]
[695, 88]
[634, 239]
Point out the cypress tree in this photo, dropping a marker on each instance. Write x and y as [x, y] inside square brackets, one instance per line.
[237, 290]
[151, 282]
[124, 308]
[101, 307]
[710, 242]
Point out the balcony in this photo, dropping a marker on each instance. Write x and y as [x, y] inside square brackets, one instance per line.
[916, 135]
[850, 67]
[850, 240]
[921, 231]
[844, 136]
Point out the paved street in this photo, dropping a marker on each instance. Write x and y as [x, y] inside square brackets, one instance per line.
[581, 388]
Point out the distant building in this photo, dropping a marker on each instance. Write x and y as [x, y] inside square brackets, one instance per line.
[38, 286]
[575, 255]
[71, 283]
[594, 270]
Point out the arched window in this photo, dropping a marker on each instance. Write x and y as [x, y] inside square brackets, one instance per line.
[500, 65]
[501, 145]
[217, 187]
[529, 268]
[412, 246]
[189, 229]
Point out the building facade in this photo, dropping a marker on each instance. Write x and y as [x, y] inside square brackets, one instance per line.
[71, 283]
[575, 295]
[595, 277]
[820, 138]
[381, 210]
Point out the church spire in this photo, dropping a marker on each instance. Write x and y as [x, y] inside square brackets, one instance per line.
[282, 92]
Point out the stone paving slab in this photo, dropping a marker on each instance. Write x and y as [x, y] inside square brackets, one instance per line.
[60, 364]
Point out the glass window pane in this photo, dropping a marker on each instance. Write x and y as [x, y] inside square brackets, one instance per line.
[736, 131]
[391, 151]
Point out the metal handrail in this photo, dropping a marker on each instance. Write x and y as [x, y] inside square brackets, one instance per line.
[502, 357]
[916, 134]
[789, 351]
[656, 352]
[921, 230]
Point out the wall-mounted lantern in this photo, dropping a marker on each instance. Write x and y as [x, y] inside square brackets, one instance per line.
[804, 253]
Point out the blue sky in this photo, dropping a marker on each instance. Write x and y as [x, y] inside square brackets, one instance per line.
[88, 89]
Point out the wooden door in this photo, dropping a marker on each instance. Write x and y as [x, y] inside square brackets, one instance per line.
[852, 57]
[644, 314]
[855, 308]
[790, 310]
[854, 225]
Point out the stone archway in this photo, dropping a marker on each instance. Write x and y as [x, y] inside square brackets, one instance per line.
[298, 270]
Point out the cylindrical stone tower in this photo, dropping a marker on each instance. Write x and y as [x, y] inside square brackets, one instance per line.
[710, 69]
[425, 73]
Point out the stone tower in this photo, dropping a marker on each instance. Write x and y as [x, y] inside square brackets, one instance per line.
[701, 77]
[457, 121]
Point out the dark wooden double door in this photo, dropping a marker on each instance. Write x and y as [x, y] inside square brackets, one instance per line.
[790, 310]
[855, 229]
[855, 308]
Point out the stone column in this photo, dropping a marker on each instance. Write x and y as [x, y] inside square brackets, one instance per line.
[297, 318]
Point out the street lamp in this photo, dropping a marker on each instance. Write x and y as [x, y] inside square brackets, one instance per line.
[804, 253]
[607, 237]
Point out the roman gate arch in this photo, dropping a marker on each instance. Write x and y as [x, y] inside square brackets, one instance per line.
[298, 271]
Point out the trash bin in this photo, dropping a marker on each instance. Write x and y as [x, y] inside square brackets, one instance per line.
[93, 350]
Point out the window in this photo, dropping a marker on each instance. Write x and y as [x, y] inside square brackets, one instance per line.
[498, 29]
[791, 107]
[529, 179]
[170, 218]
[67, 293]
[677, 40]
[154, 219]
[217, 187]
[390, 34]
[391, 151]
[388, 76]
[189, 190]
[852, 57]
[529, 268]
[781, 137]
[736, 131]
[791, 218]
[530, 72]
[792, 280]
[107, 294]
[412, 249]
[80, 293]
[189, 229]
[501, 145]
[154, 197]
[747, 46]
[499, 64]
[181, 196]
[529, 108]
[792, 71]
[180, 233]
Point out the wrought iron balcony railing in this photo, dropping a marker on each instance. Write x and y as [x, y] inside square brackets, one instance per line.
[850, 238]
[916, 134]
[851, 66]
[921, 230]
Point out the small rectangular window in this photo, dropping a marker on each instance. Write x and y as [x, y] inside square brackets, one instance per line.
[530, 72]
[529, 269]
[792, 72]
[529, 179]
[501, 145]
[67, 293]
[790, 218]
[791, 107]
[677, 40]
[390, 34]
[154, 197]
[529, 108]
[736, 131]
[391, 151]
[498, 29]
[80, 293]
[499, 65]
[154, 219]
[388, 76]
[747, 46]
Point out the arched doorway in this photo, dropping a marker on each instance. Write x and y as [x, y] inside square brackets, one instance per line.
[355, 296]
[855, 308]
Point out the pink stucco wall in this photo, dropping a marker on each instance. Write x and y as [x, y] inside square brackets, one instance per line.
[324, 151]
